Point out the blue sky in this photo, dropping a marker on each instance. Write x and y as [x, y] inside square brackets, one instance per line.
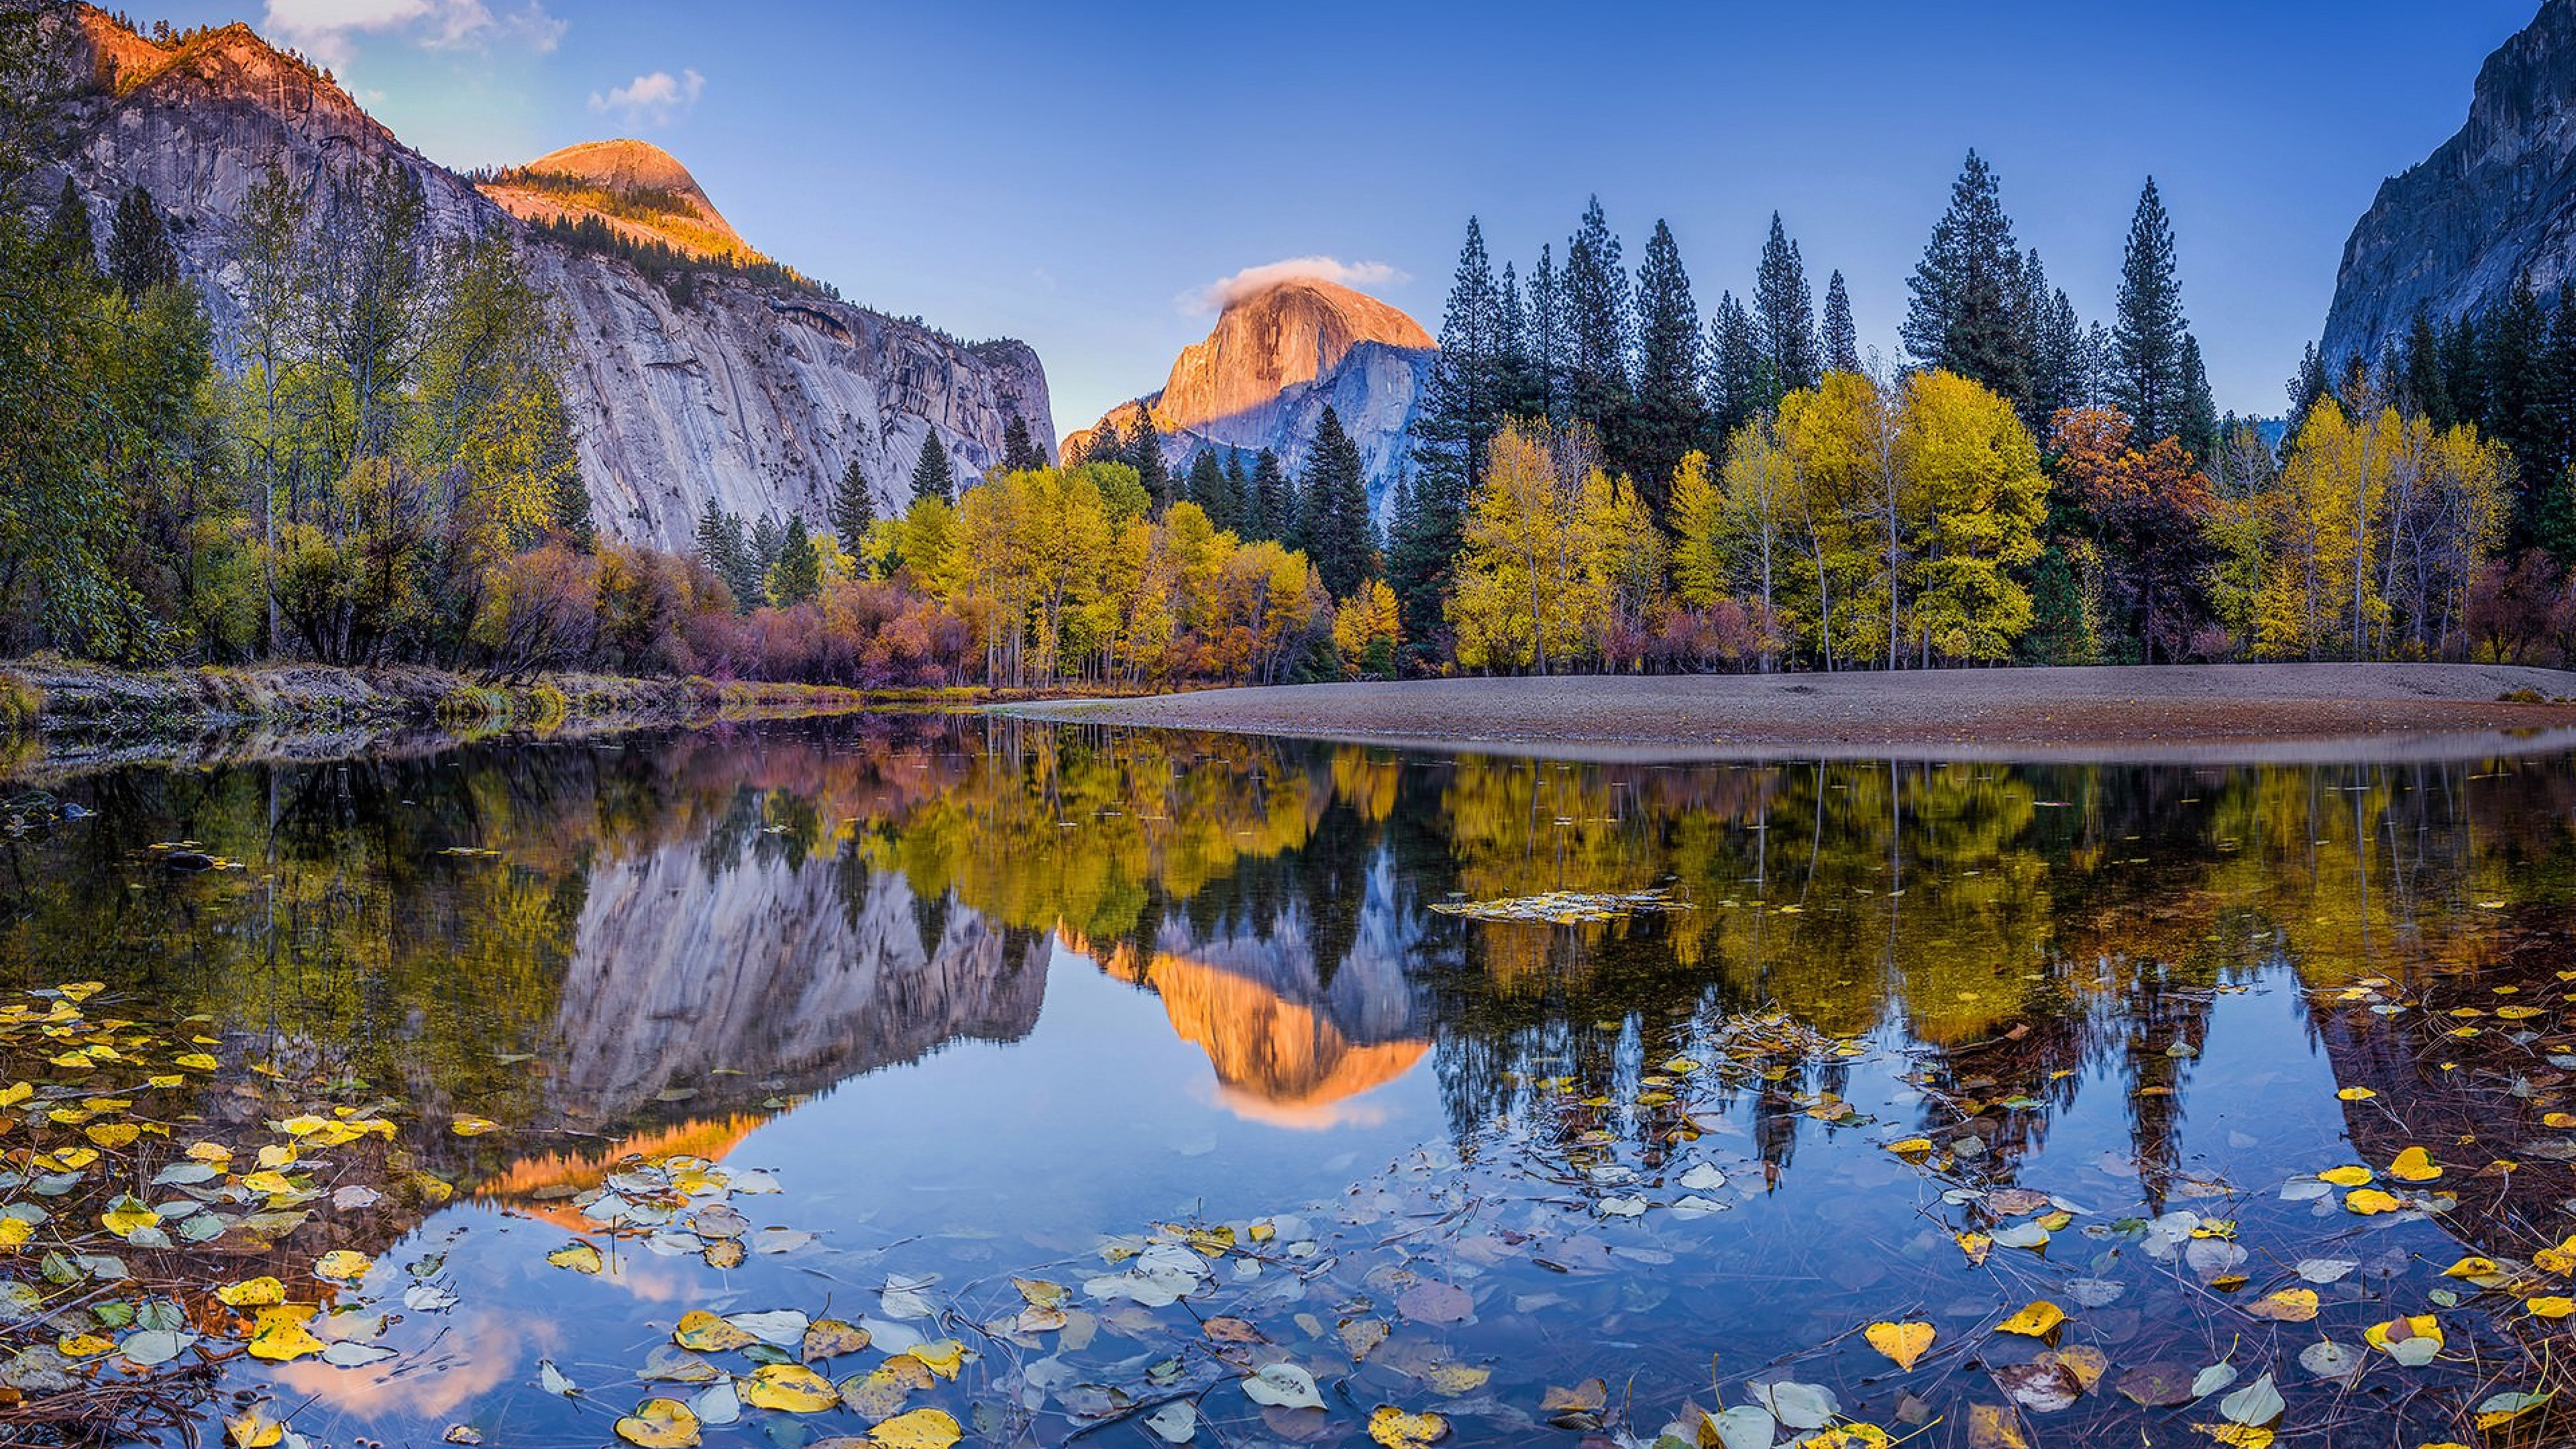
[1076, 174]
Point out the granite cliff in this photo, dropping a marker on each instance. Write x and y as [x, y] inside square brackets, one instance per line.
[2495, 203]
[753, 395]
[1274, 361]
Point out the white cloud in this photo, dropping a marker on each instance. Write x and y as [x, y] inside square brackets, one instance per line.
[1217, 295]
[328, 30]
[654, 100]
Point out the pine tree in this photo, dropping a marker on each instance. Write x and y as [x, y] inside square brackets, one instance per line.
[1334, 528]
[1207, 489]
[931, 475]
[2464, 370]
[1105, 445]
[2307, 388]
[1145, 454]
[69, 241]
[1424, 536]
[2516, 343]
[2148, 379]
[1672, 413]
[1020, 453]
[1784, 315]
[1524, 387]
[1596, 308]
[140, 255]
[1842, 338]
[571, 507]
[1736, 373]
[798, 574]
[2060, 364]
[1964, 314]
[1462, 406]
[1238, 489]
[1271, 507]
[2199, 418]
[2423, 391]
[1546, 344]
[854, 508]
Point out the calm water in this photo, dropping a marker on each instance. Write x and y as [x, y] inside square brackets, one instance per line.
[978, 998]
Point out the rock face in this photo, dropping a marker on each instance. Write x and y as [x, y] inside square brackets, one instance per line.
[754, 396]
[1276, 359]
[2495, 203]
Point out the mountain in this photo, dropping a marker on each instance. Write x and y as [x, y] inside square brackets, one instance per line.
[741, 388]
[634, 188]
[1276, 358]
[2494, 203]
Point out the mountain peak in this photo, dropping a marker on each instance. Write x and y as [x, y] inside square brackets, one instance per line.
[636, 188]
[1279, 336]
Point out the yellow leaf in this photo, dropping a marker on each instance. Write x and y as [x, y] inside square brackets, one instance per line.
[73, 1159]
[831, 1338]
[129, 1216]
[15, 1093]
[1991, 1426]
[2290, 1305]
[2346, 1176]
[282, 1336]
[1449, 1380]
[2551, 1307]
[304, 1126]
[1976, 1246]
[659, 1424]
[14, 1231]
[883, 1389]
[2237, 1436]
[251, 1293]
[2356, 1094]
[2370, 1200]
[1903, 1342]
[2471, 1268]
[251, 1429]
[2414, 1165]
[275, 1155]
[468, 1125]
[920, 1429]
[1911, 1147]
[267, 1182]
[112, 1135]
[703, 1332]
[2039, 1320]
[580, 1257]
[942, 1357]
[2400, 1330]
[342, 1266]
[1397, 1429]
[81, 1345]
[196, 1062]
[790, 1387]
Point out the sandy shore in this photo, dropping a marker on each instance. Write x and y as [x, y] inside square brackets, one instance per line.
[2232, 712]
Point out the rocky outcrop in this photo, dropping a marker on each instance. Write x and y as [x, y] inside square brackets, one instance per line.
[754, 396]
[571, 184]
[2496, 203]
[1275, 360]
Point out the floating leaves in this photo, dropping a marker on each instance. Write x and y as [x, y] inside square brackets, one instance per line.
[660, 1424]
[920, 1429]
[1396, 1429]
[1565, 908]
[1283, 1386]
[2411, 1341]
[1903, 1342]
[2039, 1320]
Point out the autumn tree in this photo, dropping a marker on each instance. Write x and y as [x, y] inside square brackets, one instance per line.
[2150, 510]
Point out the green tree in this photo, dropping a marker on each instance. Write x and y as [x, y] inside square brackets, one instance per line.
[69, 241]
[1737, 377]
[1464, 398]
[1270, 508]
[1841, 336]
[2149, 378]
[797, 576]
[931, 475]
[1597, 328]
[1020, 453]
[140, 255]
[1207, 488]
[854, 507]
[1333, 526]
[1964, 313]
[1672, 413]
[1784, 316]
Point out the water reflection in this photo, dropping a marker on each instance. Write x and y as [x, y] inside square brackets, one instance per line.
[664, 944]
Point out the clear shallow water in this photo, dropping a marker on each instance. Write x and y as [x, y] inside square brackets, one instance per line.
[976, 996]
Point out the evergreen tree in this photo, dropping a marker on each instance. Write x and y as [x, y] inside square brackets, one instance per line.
[1964, 314]
[1207, 489]
[1424, 536]
[2517, 411]
[1105, 445]
[1145, 454]
[1736, 373]
[1672, 413]
[2198, 422]
[140, 255]
[572, 510]
[1546, 345]
[1333, 526]
[726, 550]
[2149, 378]
[1020, 453]
[2464, 370]
[931, 475]
[2307, 387]
[797, 576]
[1271, 503]
[1462, 406]
[1238, 490]
[1842, 338]
[2060, 361]
[1596, 307]
[69, 241]
[854, 508]
[1784, 316]
[1524, 388]
[2422, 390]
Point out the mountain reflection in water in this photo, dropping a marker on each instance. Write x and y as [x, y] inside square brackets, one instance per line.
[669, 943]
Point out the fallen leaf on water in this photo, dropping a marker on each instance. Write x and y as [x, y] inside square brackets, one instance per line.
[2370, 1201]
[1283, 1386]
[1992, 1426]
[831, 1338]
[2414, 1165]
[702, 1332]
[659, 1424]
[2039, 1320]
[2503, 1409]
[1431, 1302]
[2290, 1305]
[1903, 1342]
[1396, 1429]
[1359, 1335]
[942, 1357]
[1976, 1246]
[1449, 1380]
[2411, 1341]
[342, 1266]
[281, 1336]
[2356, 1094]
[251, 1429]
[1586, 1397]
[879, 1393]
[793, 1388]
[251, 1293]
[580, 1258]
[2346, 1176]
[920, 1429]
[467, 1125]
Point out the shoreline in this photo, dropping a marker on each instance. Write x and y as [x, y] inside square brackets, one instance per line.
[2181, 714]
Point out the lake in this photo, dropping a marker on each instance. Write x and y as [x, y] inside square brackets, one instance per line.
[928, 1077]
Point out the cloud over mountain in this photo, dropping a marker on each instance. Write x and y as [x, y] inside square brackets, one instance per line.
[1218, 295]
[654, 100]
